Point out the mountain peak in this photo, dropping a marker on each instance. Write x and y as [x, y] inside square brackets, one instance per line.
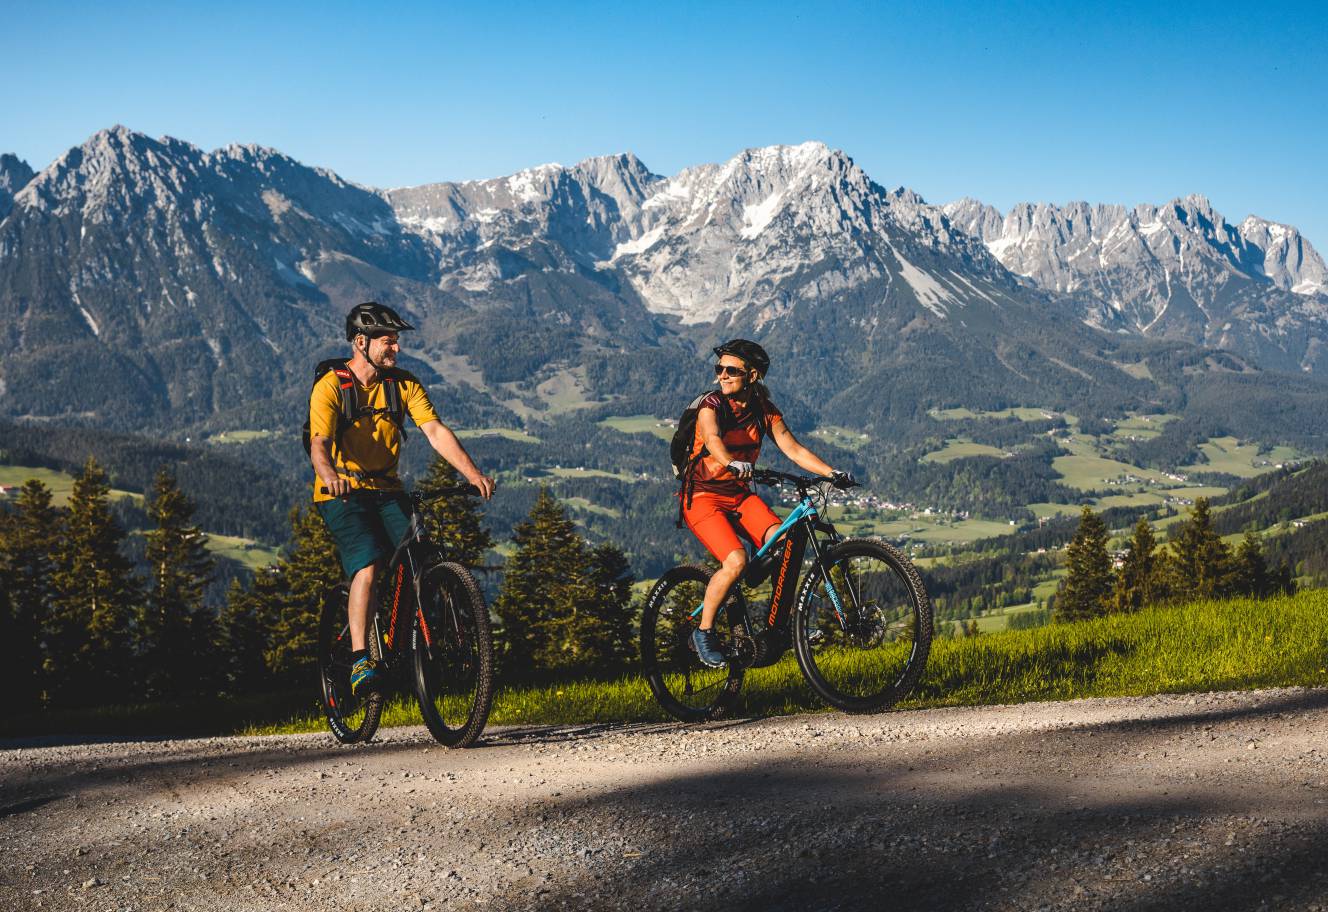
[14, 176]
[1286, 258]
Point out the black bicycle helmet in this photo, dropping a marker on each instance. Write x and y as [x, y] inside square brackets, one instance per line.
[373, 319]
[751, 353]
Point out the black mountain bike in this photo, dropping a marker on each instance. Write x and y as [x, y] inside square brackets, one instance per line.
[430, 624]
[860, 622]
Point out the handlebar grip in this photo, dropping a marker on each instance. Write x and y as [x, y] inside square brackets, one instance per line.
[451, 490]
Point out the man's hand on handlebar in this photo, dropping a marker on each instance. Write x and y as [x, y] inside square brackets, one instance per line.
[336, 486]
[485, 484]
[843, 480]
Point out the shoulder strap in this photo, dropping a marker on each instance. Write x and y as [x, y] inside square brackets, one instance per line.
[396, 409]
[350, 405]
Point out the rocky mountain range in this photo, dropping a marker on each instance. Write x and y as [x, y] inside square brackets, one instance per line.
[1174, 271]
[149, 280]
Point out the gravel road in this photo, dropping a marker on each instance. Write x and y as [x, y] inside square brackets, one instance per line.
[1211, 801]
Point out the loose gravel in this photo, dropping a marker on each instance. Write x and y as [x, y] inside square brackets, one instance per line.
[1213, 801]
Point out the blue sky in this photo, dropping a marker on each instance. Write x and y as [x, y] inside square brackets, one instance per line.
[1122, 102]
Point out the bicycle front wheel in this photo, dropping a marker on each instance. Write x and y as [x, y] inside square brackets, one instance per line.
[687, 689]
[350, 718]
[453, 650]
[862, 632]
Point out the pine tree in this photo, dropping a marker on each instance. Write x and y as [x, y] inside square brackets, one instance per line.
[245, 630]
[1199, 565]
[610, 643]
[545, 603]
[1283, 580]
[1088, 583]
[306, 573]
[27, 575]
[88, 647]
[175, 632]
[1249, 569]
[454, 522]
[1140, 581]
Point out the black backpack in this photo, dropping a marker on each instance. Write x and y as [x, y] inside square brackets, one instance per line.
[680, 447]
[350, 404]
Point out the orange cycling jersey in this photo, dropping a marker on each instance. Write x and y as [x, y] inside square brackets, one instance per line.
[741, 436]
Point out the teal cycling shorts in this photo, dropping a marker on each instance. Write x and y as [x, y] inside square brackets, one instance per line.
[366, 527]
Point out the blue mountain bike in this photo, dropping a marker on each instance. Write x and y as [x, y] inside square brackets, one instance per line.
[860, 622]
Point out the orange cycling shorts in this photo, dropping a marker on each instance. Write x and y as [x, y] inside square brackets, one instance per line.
[710, 517]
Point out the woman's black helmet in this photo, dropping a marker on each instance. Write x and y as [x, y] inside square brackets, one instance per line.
[752, 354]
[373, 319]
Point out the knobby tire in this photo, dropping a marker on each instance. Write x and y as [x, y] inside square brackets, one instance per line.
[454, 664]
[871, 656]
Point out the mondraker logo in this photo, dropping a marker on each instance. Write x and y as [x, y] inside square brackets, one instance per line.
[396, 602]
[779, 585]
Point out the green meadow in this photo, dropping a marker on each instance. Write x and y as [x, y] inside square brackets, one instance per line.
[246, 551]
[506, 433]
[61, 484]
[1238, 644]
[1023, 413]
[1224, 645]
[1244, 460]
[961, 448]
[641, 424]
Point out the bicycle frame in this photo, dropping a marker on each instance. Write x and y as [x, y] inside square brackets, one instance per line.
[407, 557]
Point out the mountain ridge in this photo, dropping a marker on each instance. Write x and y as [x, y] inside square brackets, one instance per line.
[1177, 270]
[600, 279]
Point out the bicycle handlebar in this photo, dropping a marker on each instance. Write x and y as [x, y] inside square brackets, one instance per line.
[467, 490]
[773, 478]
[430, 494]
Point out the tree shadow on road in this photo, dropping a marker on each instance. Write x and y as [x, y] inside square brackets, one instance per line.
[897, 834]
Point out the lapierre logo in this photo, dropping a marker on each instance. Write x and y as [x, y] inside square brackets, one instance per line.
[779, 585]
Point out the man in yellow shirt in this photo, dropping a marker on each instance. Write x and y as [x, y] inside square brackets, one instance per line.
[357, 490]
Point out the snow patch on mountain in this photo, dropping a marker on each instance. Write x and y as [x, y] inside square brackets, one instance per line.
[930, 292]
[756, 217]
[90, 320]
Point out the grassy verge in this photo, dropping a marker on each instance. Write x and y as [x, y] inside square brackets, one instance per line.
[1226, 645]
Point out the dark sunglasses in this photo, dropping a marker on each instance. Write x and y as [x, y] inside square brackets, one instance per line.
[728, 370]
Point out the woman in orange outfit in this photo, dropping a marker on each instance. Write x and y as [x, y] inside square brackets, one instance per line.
[730, 425]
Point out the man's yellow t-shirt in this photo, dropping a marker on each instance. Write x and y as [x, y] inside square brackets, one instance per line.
[373, 443]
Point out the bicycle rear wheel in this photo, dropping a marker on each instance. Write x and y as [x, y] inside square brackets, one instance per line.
[862, 637]
[350, 718]
[453, 649]
[687, 689]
